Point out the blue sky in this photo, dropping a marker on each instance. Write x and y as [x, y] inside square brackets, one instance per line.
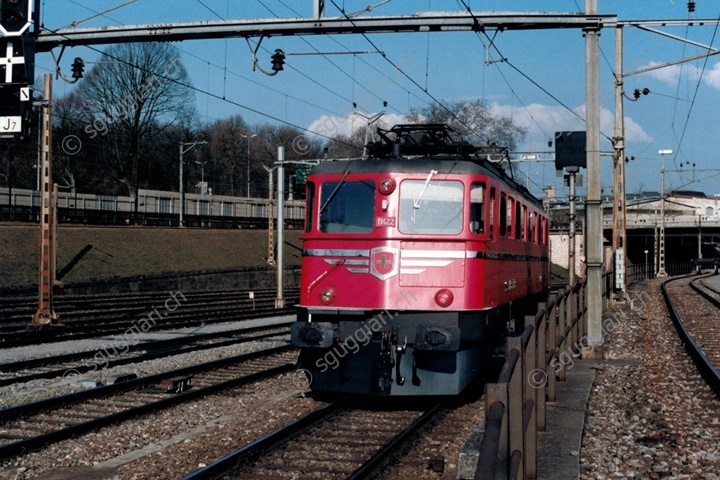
[316, 92]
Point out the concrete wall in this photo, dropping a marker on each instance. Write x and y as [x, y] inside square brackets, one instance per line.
[560, 248]
[246, 279]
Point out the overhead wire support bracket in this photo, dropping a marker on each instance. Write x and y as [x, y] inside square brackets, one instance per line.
[255, 62]
[488, 60]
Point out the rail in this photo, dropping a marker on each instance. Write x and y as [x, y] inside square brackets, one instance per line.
[704, 364]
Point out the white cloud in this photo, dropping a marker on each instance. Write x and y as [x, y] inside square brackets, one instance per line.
[542, 121]
[331, 126]
[712, 76]
[672, 74]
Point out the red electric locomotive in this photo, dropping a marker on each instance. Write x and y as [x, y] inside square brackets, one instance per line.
[417, 262]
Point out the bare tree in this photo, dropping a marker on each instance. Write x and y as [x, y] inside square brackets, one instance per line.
[473, 120]
[135, 91]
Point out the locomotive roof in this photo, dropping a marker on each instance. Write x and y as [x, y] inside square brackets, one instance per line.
[442, 164]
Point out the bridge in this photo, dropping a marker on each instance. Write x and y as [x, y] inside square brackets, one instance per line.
[692, 229]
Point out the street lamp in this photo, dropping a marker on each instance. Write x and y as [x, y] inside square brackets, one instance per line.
[184, 148]
[646, 264]
[248, 137]
[203, 190]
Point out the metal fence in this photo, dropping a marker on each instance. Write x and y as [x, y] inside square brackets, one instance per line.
[515, 406]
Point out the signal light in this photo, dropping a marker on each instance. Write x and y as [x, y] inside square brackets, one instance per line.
[15, 17]
[278, 60]
[77, 68]
[637, 92]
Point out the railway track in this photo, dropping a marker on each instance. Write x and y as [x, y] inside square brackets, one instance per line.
[143, 313]
[335, 442]
[81, 362]
[31, 426]
[697, 323]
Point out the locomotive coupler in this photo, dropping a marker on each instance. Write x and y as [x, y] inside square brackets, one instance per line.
[399, 350]
[386, 362]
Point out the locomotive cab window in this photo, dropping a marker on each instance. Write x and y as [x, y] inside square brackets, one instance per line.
[310, 207]
[428, 206]
[477, 208]
[347, 206]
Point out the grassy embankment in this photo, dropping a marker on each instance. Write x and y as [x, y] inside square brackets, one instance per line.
[99, 253]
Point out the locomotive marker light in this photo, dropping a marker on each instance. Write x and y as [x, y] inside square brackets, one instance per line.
[327, 296]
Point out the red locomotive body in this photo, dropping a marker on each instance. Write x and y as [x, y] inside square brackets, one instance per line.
[414, 267]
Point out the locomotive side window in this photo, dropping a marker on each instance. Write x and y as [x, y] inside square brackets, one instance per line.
[532, 220]
[310, 207]
[503, 215]
[518, 221]
[347, 207]
[544, 232]
[491, 216]
[509, 217]
[428, 207]
[477, 208]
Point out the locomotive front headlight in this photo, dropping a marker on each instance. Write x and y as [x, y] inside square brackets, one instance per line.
[444, 297]
[327, 296]
[386, 186]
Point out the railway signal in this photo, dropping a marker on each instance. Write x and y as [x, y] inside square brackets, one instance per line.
[15, 17]
[77, 68]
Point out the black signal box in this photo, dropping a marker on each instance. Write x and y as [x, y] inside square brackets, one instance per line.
[570, 150]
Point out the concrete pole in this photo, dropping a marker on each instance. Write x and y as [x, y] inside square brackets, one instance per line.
[571, 233]
[619, 198]
[181, 222]
[661, 250]
[699, 237]
[594, 247]
[280, 301]
[271, 227]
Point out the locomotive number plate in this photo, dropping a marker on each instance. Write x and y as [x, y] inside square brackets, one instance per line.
[385, 221]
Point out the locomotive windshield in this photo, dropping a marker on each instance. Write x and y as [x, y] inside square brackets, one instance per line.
[347, 206]
[431, 207]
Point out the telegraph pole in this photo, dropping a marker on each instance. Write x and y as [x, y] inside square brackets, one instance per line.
[45, 314]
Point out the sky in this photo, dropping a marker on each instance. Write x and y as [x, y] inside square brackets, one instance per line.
[536, 78]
